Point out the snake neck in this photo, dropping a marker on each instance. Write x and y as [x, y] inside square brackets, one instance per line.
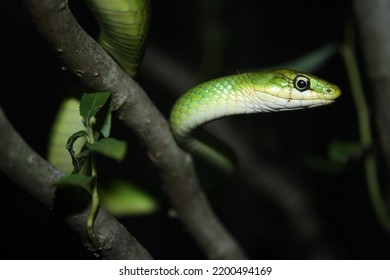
[208, 102]
[217, 99]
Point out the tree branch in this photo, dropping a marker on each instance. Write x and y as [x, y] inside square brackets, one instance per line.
[374, 21]
[82, 56]
[37, 177]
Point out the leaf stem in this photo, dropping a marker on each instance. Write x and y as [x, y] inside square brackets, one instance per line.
[94, 193]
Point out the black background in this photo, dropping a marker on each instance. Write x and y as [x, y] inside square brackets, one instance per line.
[252, 34]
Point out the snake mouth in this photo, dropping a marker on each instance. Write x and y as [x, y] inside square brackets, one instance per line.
[321, 102]
[295, 104]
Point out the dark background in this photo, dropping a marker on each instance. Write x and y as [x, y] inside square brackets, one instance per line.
[204, 39]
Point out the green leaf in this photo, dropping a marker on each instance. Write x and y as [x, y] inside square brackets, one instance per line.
[345, 151]
[124, 198]
[109, 147]
[77, 180]
[341, 156]
[103, 120]
[90, 104]
[311, 61]
[66, 122]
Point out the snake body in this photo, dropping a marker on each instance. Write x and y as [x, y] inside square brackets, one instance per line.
[124, 25]
[269, 91]
[124, 28]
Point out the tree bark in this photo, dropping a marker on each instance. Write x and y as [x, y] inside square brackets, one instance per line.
[81, 55]
[374, 26]
[37, 177]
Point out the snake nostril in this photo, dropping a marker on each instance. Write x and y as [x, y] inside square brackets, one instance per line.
[329, 90]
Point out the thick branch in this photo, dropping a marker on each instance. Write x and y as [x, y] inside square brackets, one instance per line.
[81, 55]
[37, 177]
[374, 25]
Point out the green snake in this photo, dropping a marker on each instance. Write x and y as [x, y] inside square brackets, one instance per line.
[268, 91]
[124, 25]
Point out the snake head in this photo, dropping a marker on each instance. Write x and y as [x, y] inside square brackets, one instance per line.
[288, 90]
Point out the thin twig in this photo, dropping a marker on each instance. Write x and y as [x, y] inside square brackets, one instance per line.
[364, 123]
[373, 21]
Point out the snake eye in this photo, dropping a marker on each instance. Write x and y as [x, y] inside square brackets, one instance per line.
[301, 83]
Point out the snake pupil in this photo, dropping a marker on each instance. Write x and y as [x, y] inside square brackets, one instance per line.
[301, 83]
